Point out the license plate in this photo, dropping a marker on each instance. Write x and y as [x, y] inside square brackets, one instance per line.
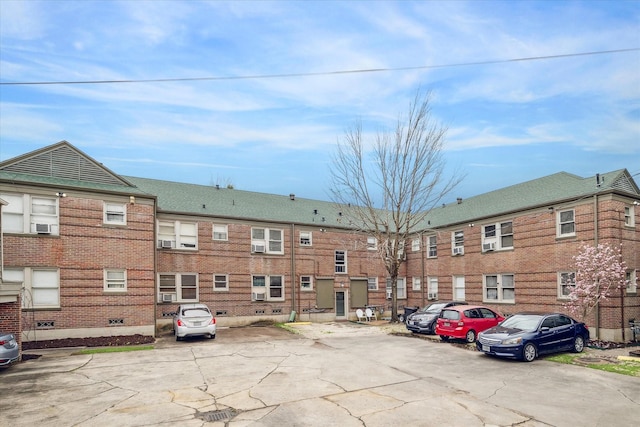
[197, 323]
[411, 322]
[447, 324]
[486, 348]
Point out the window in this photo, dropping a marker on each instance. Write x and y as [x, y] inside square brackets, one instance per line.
[372, 243]
[372, 283]
[306, 283]
[566, 283]
[401, 287]
[177, 235]
[220, 232]
[629, 216]
[30, 214]
[267, 288]
[416, 283]
[306, 238]
[415, 245]
[432, 249]
[41, 286]
[180, 287]
[115, 280]
[457, 243]
[566, 223]
[499, 288]
[497, 236]
[341, 262]
[265, 240]
[115, 213]
[458, 288]
[632, 284]
[432, 291]
[220, 282]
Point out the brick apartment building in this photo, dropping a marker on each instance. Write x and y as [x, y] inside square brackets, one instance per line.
[87, 252]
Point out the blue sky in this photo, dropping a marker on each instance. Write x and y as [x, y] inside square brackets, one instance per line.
[508, 122]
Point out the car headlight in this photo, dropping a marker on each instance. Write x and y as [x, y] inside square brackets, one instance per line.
[512, 341]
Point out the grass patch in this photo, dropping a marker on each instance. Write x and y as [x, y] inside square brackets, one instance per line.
[114, 349]
[622, 367]
[287, 328]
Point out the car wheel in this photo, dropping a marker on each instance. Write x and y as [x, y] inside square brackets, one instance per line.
[178, 338]
[401, 318]
[212, 336]
[578, 344]
[529, 352]
[471, 336]
[444, 338]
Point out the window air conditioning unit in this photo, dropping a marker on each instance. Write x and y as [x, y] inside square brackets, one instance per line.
[165, 244]
[257, 248]
[458, 250]
[389, 294]
[257, 296]
[43, 228]
[488, 247]
[167, 297]
[432, 296]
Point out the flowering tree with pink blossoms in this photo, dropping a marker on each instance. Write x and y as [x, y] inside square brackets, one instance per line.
[600, 271]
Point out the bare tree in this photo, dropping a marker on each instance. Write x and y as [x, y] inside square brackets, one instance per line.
[388, 190]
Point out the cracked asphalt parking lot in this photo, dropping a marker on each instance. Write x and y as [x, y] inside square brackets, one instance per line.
[335, 374]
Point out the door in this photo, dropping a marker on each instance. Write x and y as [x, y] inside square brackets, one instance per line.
[341, 305]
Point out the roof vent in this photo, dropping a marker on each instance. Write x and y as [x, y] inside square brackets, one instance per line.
[292, 196]
[459, 199]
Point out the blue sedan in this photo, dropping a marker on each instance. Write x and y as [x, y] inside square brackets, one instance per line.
[526, 336]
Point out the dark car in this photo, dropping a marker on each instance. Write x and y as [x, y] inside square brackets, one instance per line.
[526, 336]
[9, 349]
[424, 320]
[466, 322]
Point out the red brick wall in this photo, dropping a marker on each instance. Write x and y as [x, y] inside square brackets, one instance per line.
[10, 319]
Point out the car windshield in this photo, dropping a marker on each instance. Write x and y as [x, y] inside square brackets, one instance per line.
[525, 322]
[433, 308]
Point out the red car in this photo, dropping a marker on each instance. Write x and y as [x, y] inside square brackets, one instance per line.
[465, 322]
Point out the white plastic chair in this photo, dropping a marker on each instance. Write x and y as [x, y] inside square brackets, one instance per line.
[371, 315]
[360, 315]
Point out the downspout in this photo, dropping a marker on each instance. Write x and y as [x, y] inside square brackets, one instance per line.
[596, 242]
[155, 267]
[423, 280]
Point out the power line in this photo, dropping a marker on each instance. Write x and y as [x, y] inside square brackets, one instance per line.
[325, 73]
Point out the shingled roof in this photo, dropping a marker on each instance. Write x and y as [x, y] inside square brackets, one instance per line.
[63, 165]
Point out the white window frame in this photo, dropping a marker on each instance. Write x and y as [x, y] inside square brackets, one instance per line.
[306, 282]
[432, 287]
[115, 280]
[432, 246]
[372, 243]
[416, 283]
[415, 244]
[36, 295]
[183, 237]
[629, 216]
[178, 287]
[566, 281]
[457, 241]
[218, 279]
[459, 288]
[564, 222]
[502, 287]
[114, 213]
[269, 286]
[401, 287]
[22, 208]
[632, 281]
[372, 283]
[220, 232]
[340, 262]
[306, 238]
[266, 237]
[499, 233]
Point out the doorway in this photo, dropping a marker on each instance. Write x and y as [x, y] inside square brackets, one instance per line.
[341, 305]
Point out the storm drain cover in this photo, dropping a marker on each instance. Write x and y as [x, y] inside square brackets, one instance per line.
[224, 414]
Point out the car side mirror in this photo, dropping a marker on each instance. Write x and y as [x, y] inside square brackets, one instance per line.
[544, 329]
